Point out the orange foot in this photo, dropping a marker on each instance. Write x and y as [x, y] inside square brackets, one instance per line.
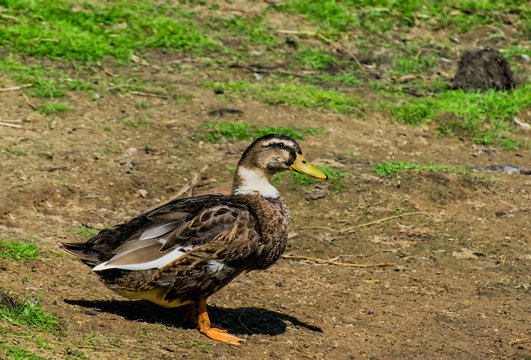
[213, 333]
[221, 335]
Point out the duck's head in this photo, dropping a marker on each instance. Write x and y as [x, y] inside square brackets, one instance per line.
[264, 158]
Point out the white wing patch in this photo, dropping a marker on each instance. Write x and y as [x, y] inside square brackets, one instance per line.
[153, 264]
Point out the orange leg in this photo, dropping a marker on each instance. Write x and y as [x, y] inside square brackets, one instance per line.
[213, 333]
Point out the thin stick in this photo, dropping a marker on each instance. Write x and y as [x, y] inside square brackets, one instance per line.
[317, 227]
[345, 49]
[12, 321]
[337, 262]
[193, 182]
[147, 94]
[519, 341]
[28, 102]
[296, 32]
[182, 191]
[9, 17]
[330, 41]
[15, 88]
[382, 220]
[190, 185]
[107, 72]
[270, 71]
[10, 125]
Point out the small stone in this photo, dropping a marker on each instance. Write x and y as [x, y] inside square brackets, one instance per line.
[317, 193]
[143, 192]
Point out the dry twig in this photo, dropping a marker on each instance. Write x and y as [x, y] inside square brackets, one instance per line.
[33, 107]
[296, 32]
[336, 262]
[345, 49]
[382, 220]
[147, 94]
[15, 88]
[269, 71]
[519, 341]
[335, 44]
[12, 321]
[107, 72]
[10, 125]
[191, 184]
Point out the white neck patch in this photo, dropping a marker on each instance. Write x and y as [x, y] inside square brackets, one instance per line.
[254, 181]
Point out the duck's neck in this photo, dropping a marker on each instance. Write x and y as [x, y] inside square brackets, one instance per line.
[252, 181]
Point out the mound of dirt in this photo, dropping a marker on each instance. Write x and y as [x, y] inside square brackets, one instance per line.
[482, 70]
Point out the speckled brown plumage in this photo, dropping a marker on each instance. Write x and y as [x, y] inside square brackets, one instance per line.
[188, 249]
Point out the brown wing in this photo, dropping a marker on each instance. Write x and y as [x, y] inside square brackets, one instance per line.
[167, 233]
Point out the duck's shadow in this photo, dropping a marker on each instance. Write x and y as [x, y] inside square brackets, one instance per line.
[244, 320]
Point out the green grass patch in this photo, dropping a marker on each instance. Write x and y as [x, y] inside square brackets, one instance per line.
[308, 58]
[254, 29]
[18, 352]
[14, 151]
[135, 123]
[382, 16]
[390, 169]
[50, 108]
[26, 311]
[85, 230]
[307, 96]
[231, 131]
[18, 250]
[45, 82]
[86, 31]
[483, 117]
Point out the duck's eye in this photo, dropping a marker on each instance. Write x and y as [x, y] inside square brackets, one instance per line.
[280, 145]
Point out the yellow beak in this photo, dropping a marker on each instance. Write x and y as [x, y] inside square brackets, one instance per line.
[302, 166]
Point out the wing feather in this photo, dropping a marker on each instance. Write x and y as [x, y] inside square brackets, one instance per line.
[165, 239]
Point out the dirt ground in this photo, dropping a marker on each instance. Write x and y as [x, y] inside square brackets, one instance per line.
[458, 289]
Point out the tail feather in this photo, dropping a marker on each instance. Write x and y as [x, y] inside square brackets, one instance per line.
[79, 250]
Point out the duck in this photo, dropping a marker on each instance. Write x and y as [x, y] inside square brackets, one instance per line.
[184, 251]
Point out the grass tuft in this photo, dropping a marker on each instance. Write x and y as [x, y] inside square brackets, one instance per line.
[390, 169]
[18, 250]
[17, 352]
[308, 96]
[232, 131]
[85, 230]
[88, 31]
[50, 108]
[483, 117]
[26, 311]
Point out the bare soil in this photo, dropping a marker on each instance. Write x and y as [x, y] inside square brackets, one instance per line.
[459, 287]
